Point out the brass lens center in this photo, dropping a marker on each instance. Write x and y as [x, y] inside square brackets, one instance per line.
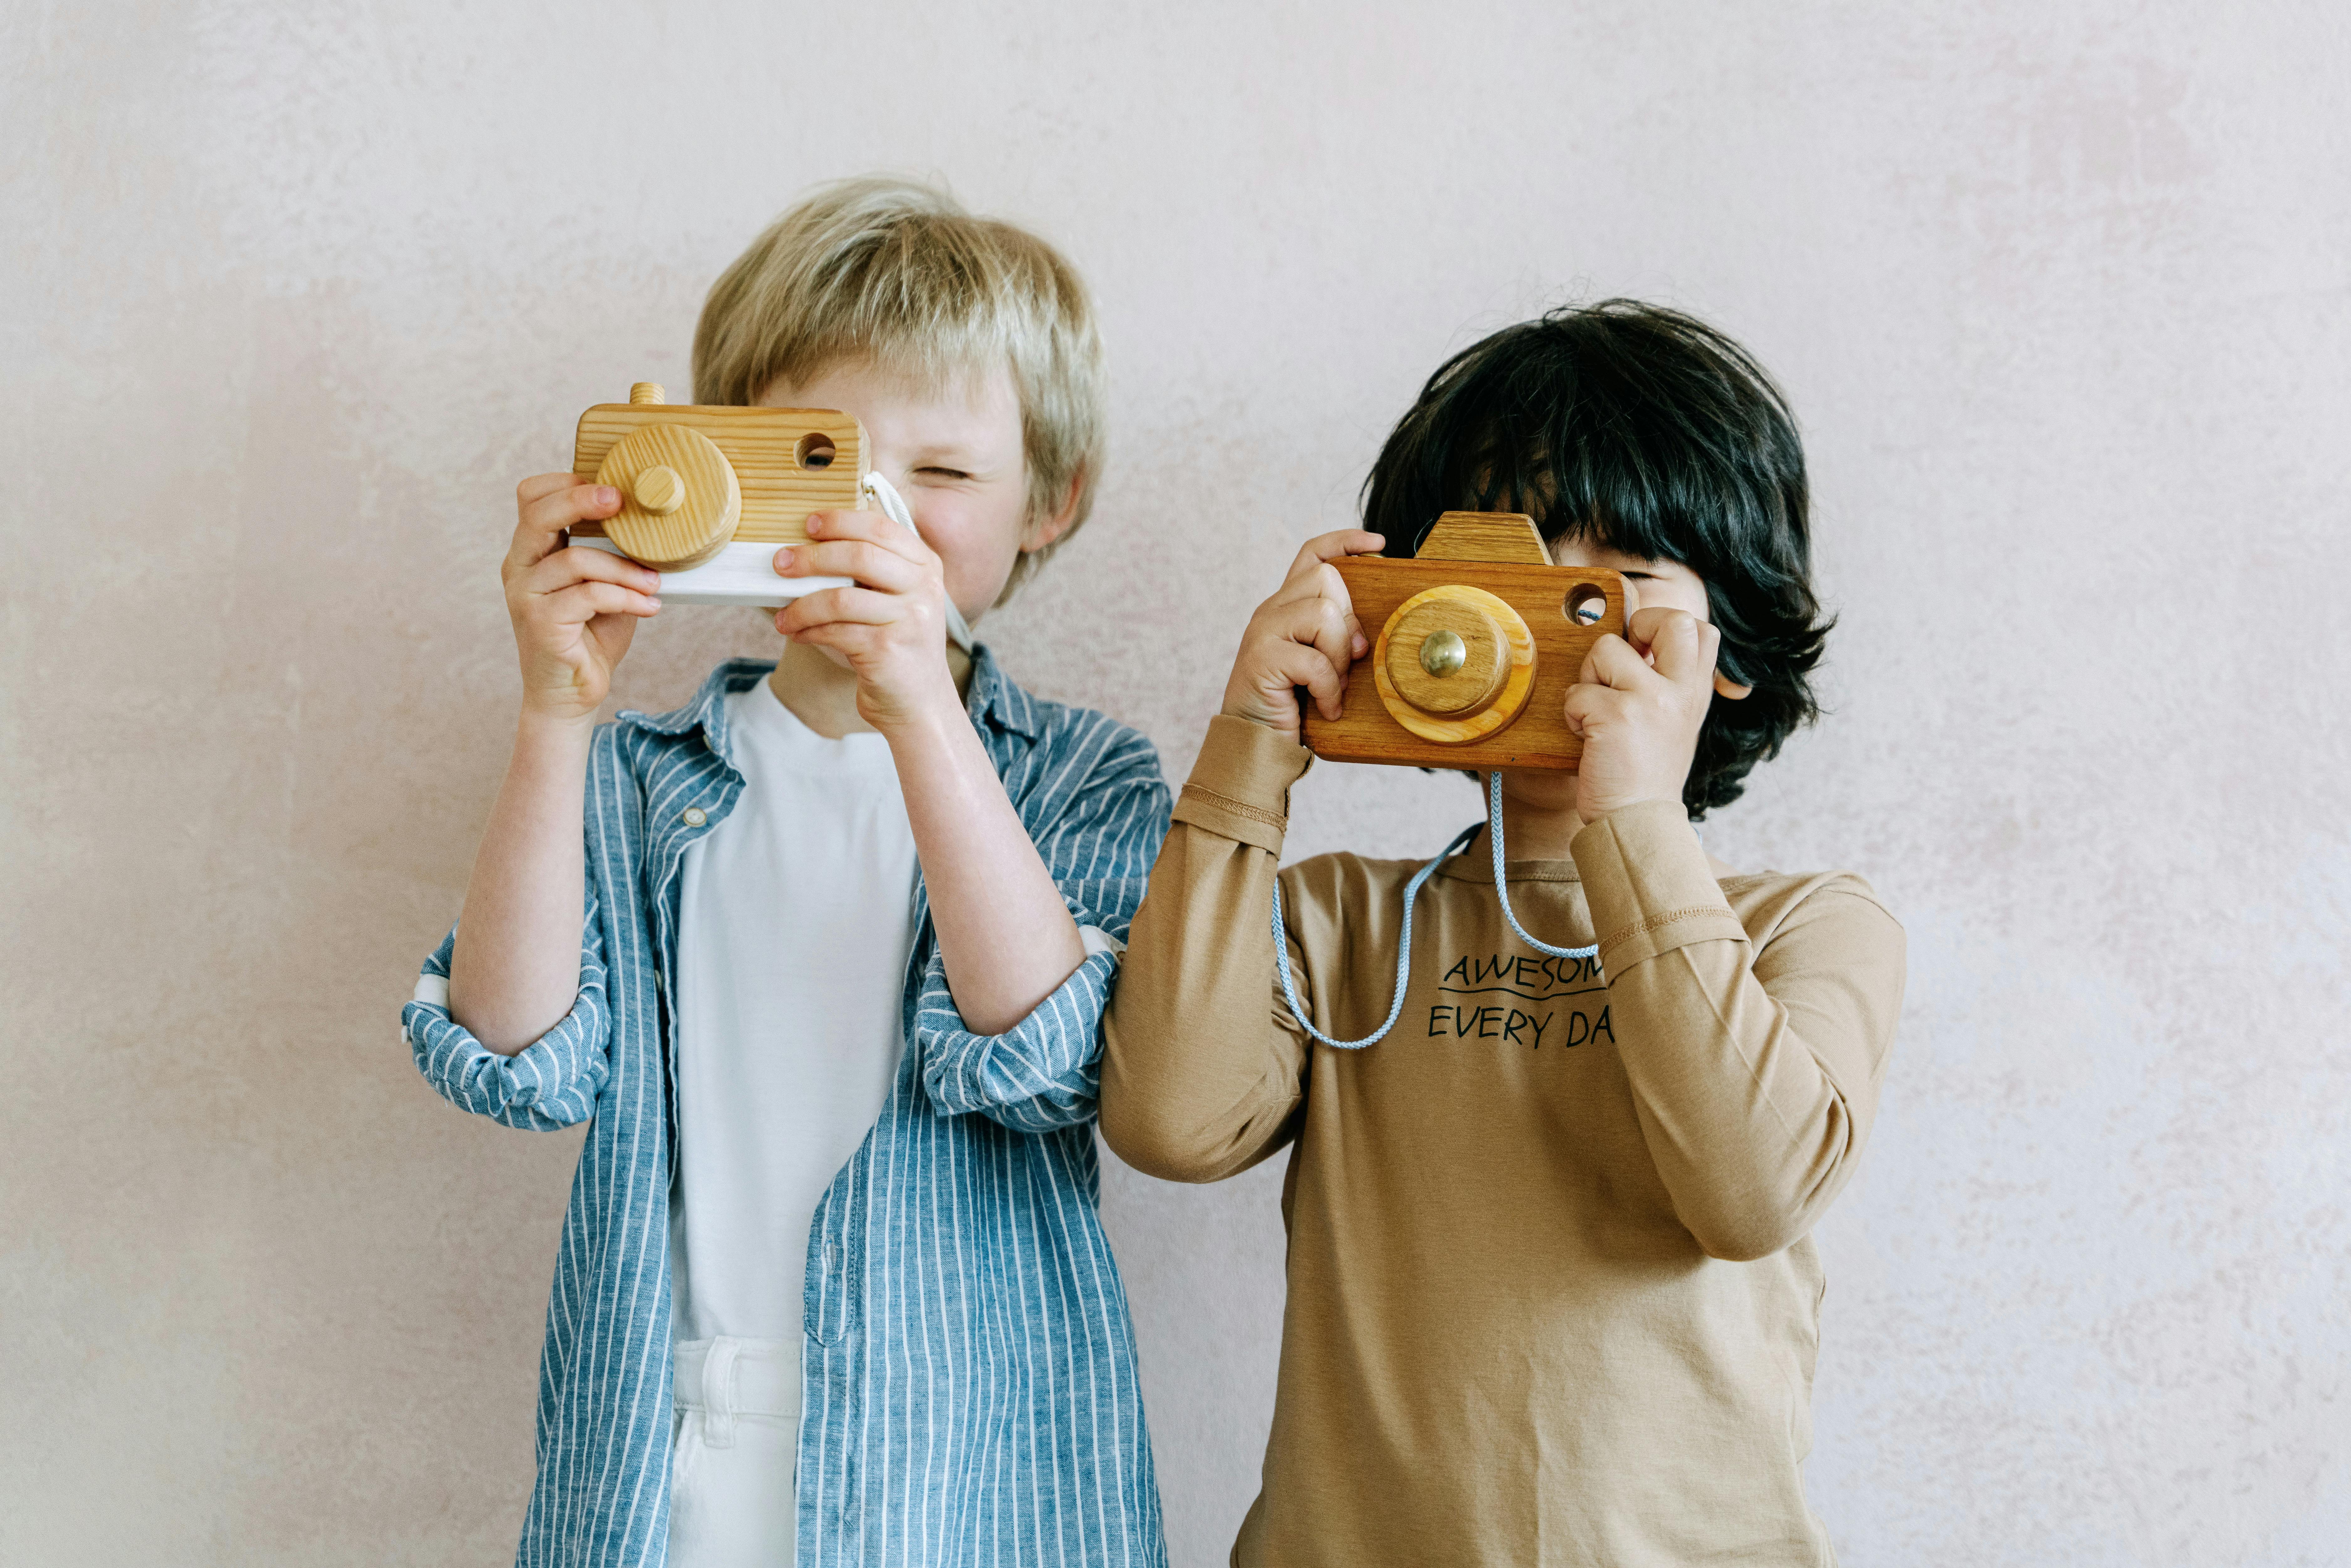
[1443, 652]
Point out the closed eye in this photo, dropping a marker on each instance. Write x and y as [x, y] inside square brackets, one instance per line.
[944, 473]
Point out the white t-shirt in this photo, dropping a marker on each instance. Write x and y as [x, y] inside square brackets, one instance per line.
[796, 916]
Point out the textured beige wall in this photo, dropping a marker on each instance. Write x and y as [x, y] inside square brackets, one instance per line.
[290, 296]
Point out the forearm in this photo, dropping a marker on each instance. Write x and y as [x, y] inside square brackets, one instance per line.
[1755, 1078]
[515, 971]
[1750, 1135]
[1198, 1083]
[1005, 933]
[1200, 1079]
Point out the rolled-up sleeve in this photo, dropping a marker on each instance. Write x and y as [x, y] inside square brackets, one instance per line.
[550, 1083]
[1044, 1072]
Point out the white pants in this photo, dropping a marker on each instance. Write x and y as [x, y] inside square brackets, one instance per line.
[733, 1503]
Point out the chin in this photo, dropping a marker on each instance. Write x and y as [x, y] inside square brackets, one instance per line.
[1547, 788]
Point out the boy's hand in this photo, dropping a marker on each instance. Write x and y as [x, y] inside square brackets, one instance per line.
[890, 628]
[1638, 703]
[574, 609]
[1305, 635]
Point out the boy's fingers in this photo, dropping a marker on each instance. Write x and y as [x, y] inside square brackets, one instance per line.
[848, 636]
[874, 528]
[1334, 546]
[1324, 583]
[1325, 626]
[584, 601]
[1611, 661]
[1680, 645]
[542, 518]
[1300, 664]
[1642, 626]
[583, 563]
[867, 562]
[1308, 582]
[860, 606]
[542, 484]
[1587, 701]
[561, 507]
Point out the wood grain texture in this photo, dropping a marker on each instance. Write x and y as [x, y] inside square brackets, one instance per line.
[761, 444]
[1517, 668]
[1484, 536]
[1487, 651]
[698, 522]
[1539, 736]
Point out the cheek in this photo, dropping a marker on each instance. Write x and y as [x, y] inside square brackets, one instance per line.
[1686, 597]
[976, 539]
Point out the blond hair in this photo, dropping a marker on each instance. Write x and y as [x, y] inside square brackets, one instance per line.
[898, 274]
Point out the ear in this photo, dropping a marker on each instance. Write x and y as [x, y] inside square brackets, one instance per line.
[1045, 531]
[1729, 687]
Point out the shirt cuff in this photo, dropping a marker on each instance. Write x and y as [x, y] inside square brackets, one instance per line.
[1650, 886]
[1239, 787]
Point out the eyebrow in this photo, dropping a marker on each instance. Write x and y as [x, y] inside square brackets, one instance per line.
[950, 455]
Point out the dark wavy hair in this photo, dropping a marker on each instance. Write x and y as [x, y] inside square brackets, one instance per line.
[1651, 433]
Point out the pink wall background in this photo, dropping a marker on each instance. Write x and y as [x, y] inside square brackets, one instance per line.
[290, 296]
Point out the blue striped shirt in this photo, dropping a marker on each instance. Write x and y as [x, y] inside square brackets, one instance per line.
[968, 1367]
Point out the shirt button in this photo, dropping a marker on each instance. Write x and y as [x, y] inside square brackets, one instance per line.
[695, 817]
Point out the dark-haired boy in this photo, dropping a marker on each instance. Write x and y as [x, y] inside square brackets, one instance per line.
[1551, 1293]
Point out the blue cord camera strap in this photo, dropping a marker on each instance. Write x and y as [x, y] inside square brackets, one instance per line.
[1404, 938]
[1403, 949]
[1494, 815]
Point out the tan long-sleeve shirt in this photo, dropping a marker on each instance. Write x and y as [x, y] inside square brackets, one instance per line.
[1551, 1295]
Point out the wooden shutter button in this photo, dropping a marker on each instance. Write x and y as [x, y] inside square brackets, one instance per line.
[1454, 663]
[659, 489]
[680, 498]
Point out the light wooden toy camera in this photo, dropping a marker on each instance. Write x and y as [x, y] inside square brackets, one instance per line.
[1477, 638]
[707, 494]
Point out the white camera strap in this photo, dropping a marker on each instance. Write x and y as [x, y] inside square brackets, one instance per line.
[886, 494]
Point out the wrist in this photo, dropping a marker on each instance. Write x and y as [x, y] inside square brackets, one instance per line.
[553, 732]
[1247, 703]
[1597, 812]
[1288, 732]
[562, 701]
[928, 703]
[1600, 811]
[936, 710]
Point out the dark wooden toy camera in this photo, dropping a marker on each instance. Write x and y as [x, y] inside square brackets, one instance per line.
[707, 493]
[1475, 642]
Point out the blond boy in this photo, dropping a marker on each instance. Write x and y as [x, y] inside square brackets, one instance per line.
[831, 1282]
